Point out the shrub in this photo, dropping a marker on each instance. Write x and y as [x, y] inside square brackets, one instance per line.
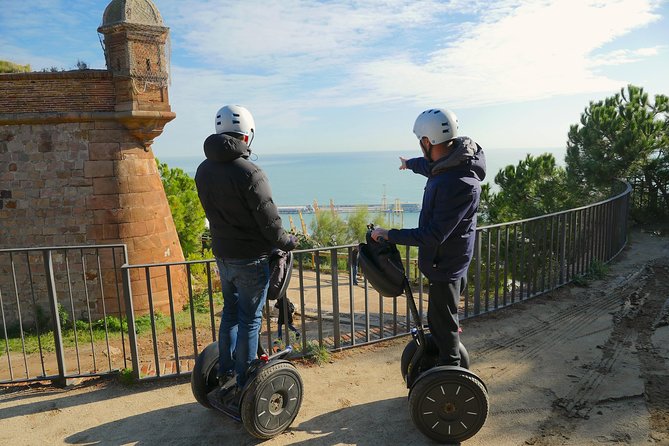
[316, 354]
[201, 302]
[126, 377]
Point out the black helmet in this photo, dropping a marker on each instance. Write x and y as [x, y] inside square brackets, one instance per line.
[280, 269]
[382, 266]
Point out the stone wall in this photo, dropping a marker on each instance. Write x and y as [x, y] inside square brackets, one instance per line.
[67, 92]
[72, 173]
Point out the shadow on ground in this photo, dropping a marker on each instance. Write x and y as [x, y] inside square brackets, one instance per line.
[38, 398]
[197, 425]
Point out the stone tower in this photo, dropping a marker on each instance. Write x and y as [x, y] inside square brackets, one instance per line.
[76, 165]
[137, 54]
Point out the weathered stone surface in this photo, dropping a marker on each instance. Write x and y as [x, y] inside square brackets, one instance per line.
[76, 168]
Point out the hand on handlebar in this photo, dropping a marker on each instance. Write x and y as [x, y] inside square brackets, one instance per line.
[379, 233]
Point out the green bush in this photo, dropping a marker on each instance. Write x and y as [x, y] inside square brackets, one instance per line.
[114, 324]
[315, 353]
[329, 229]
[64, 317]
[143, 323]
[126, 377]
[201, 302]
[81, 325]
[596, 271]
[10, 67]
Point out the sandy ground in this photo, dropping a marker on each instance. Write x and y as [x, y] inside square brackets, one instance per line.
[580, 366]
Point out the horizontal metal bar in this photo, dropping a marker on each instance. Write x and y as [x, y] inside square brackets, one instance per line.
[60, 248]
[608, 200]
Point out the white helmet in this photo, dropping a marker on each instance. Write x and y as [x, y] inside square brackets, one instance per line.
[437, 124]
[235, 119]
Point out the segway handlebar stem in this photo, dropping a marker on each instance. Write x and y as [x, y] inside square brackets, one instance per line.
[281, 354]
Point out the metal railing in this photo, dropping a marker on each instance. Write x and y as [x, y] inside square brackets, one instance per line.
[512, 262]
[521, 259]
[56, 304]
[649, 199]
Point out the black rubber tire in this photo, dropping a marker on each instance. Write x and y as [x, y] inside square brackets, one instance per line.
[448, 406]
[272, 400]
[429, 359]
[203, 378]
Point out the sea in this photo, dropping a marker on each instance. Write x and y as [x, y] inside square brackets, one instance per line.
[350, 179]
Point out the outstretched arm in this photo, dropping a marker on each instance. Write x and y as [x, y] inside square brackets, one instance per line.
[417, 165]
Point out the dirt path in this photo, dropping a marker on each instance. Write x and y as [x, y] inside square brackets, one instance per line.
[581, 366]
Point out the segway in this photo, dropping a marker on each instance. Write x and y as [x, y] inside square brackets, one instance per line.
[272, 395]
[448, 404]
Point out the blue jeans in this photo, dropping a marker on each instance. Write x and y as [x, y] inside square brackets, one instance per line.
[244, 283]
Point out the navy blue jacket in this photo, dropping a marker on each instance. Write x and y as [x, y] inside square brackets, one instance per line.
[447, 224]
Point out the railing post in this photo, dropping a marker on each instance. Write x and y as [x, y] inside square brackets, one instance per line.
[563, 249]
[130, 315]
[53, 302]
[335, 297]
[407, 266]
[477, 279]
[303, 325]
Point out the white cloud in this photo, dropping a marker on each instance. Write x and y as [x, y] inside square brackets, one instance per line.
[294, 36]
[307, 54]
[619, 57]
[535, 50]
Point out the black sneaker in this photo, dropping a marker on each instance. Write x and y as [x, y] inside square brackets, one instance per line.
[225, 378]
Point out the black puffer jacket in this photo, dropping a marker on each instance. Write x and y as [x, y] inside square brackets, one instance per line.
[237, 200]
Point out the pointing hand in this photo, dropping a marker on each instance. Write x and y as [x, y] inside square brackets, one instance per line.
[404, 163]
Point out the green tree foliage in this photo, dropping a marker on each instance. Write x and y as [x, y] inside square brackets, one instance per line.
[536, 186]
[187, 211]
[358, 221]
[10, 67]
[329, 229]
[624, 136]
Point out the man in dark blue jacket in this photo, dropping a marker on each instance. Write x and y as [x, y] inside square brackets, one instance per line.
[245, 228]
[454, 167]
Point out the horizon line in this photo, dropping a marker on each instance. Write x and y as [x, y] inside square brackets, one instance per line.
[365, 151]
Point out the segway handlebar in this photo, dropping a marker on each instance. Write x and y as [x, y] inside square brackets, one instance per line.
[280, 354]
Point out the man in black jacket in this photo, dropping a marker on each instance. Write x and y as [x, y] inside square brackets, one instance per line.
[245, 228]
[454, 167]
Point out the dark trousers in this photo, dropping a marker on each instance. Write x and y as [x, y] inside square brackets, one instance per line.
[442, 318]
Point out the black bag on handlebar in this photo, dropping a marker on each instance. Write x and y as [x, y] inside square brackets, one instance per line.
[280, 269]
[381, 264]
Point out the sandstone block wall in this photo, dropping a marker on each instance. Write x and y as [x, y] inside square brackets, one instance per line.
[71, 173]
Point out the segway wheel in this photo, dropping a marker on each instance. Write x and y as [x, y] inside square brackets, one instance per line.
[272, 400]
[430, 357]
[203, 378]
[448, 406]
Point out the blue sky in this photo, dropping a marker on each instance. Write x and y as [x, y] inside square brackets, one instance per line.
[352, 75]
